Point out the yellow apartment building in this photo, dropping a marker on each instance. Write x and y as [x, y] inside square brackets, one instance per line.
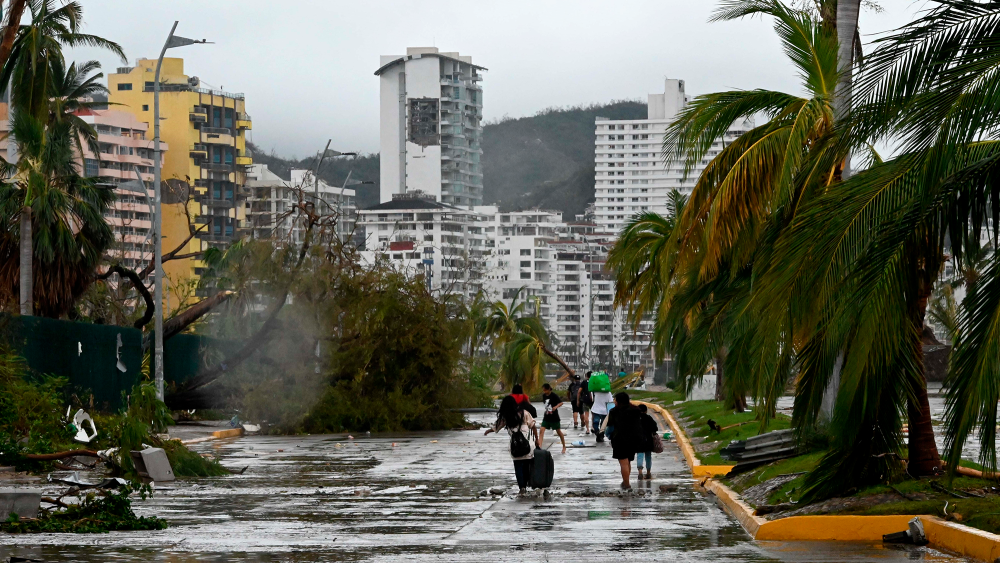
[205, 169]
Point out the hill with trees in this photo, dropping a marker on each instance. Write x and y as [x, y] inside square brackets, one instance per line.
[545, 160]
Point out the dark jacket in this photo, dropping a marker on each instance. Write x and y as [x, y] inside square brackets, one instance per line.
[627, 428]
[649, 428]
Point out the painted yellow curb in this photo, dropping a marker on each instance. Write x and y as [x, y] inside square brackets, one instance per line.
[963, 540]
[950, 536]
[697, 469]
[232, 432]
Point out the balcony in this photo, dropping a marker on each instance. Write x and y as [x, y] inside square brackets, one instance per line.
[199, 115]
[244, 161]
[199, 150]
[243, 121]
[217, 167]
[216, 136]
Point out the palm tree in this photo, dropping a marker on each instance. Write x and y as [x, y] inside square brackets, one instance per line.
[933, 86]
[740, 204]
[69, 230]
[521, 338]
[872, 249]
[34, 70]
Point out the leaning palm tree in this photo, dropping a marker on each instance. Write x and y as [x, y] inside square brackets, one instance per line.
[744, 198]
[511, 326]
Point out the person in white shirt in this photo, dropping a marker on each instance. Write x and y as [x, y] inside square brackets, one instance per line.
[599, 412]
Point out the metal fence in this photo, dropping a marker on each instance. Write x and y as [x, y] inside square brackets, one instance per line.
[99, 360]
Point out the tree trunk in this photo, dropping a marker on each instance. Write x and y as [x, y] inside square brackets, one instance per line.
[847, 27]
[922, 451]
[10, 29]
[557, 359]
[27, 289]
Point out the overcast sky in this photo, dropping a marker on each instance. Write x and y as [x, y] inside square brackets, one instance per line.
[306, 66]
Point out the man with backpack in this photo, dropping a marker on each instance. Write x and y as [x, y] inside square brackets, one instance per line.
[574, 399]
[586, 400]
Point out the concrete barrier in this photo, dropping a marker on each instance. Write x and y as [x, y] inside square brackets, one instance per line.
[948, 536]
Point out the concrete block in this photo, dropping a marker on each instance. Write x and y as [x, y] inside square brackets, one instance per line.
[23, 502]
[153, 464]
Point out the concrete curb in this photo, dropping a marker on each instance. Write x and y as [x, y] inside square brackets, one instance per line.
[956, 538]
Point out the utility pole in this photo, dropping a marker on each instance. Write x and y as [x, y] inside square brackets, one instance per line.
[172, 41]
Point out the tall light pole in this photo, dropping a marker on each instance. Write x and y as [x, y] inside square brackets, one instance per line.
[172, 41]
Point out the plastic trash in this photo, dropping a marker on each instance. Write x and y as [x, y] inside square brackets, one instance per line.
[82, 435]
[579, 443]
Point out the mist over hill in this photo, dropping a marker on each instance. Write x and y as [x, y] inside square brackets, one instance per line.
[545, 160]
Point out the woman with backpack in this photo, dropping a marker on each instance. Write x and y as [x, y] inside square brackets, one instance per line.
[522, 430]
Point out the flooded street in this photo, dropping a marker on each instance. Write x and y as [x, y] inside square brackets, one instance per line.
[415, 497]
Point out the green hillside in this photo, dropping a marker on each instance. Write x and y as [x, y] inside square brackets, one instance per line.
[545, 160]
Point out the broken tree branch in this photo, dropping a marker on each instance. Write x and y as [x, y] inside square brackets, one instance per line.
[61, 455]
[139, 286]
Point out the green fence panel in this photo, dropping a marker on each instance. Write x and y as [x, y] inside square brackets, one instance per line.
[101, 360]
[184, 355]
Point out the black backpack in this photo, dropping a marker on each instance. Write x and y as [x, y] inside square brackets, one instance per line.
[519, 444]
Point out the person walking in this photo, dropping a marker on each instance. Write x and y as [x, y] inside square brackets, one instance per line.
[586, 399]
[523, 401]
[574, 400]
[626, 438]
[645, 453]
[550, 420]
[599, 411]
[521, 428]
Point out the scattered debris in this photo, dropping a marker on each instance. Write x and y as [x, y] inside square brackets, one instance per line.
[759, 450]
[81, 432]
[152, 464]
[73, 479]
[22, 502]
[914, 534]
[668, 488]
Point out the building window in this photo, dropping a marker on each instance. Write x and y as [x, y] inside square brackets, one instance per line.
[216, 117]
[216, 190]
[525, 252]
[125, 86]
[525, 275]
[525, 263]
[229, 118]
[90, 167]
[216, 227]
[145, 107]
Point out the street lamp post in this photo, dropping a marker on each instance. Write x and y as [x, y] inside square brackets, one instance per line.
[172, 41]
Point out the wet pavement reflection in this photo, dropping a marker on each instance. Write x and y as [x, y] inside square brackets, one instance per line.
[416, 497]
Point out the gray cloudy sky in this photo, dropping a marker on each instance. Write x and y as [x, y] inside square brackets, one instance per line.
[307, 66]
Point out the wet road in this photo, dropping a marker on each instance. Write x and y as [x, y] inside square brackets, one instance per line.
[414, 497]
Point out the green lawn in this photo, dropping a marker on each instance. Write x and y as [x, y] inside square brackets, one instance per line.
[981, 513]
[702, 411]
[665, 398]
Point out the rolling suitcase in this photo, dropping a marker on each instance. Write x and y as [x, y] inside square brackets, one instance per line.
[542, 469]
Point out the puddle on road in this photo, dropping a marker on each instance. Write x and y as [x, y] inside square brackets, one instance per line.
[419, 501]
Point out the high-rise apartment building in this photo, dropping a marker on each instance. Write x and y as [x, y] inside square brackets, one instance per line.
[630, 175]
[206, 166]
[431, 126]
